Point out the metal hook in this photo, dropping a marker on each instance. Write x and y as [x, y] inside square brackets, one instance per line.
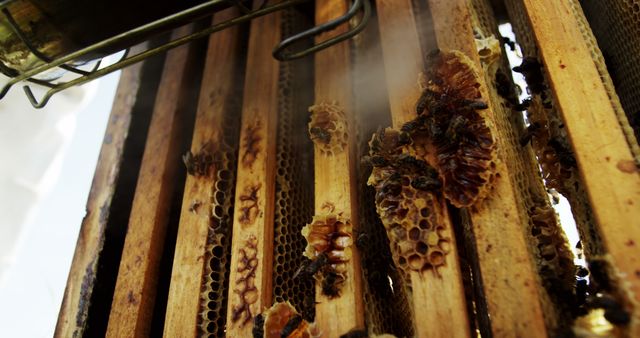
[279, 52]
[34, 101]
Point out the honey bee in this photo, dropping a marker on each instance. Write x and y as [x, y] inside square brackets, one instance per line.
[362, 238]
[408, 161]
[318, 133]
[331, 284]
[310, 267]
[414, 125]
[356, 333]
[376, 160]
[189, 162]
[431, 101]
[503, 86]
[426, 183]
[377, 140]
[614, 312]
[522, 106]
[508, 42]
[258, 326]
[455, 128]
[529, 133]
[291, 325]
[404, 139]
[392, 187]
[532, 71]
[565, 155]
[475, 104]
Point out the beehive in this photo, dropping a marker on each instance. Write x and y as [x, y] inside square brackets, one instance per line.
[388, 185]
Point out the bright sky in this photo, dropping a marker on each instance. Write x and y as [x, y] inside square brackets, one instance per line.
[54, 152]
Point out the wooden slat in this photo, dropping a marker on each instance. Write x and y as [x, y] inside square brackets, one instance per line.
[82, 276]
[335, 180]
[604, 158]
[438, 302]
[255, 187]
[219, 73]
[508, 273]
[134, 296]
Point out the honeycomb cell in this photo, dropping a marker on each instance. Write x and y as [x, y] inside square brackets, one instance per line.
[414, 234]
[328, 127]
[422, 248]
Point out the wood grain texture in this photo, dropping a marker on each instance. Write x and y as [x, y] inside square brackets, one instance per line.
[255, 187]
[511, 284]
[134, 296]
[604, 159]
[219, 72]
[439, 302]
[82, 276]
[335, 180]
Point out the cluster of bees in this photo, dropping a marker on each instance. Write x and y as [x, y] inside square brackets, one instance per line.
[446, 151]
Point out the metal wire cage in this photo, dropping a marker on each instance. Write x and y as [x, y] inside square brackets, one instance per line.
[70, 62]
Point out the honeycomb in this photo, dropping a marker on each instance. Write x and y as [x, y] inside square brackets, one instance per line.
[328, 127]
[407, 203]
[215, 281]
[553, 248]
[294, 180]
[616, 25]
[463, 142]
[329, 247]
[282, 320]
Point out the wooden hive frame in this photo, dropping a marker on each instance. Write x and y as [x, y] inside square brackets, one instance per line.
[221, 273]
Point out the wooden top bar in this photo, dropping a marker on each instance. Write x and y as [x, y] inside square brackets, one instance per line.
[335, 181]
[605, 161]
[214, 102]
[250, 277]
[438, 301]
[72, 319]
[135, 293]
[508, 274]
